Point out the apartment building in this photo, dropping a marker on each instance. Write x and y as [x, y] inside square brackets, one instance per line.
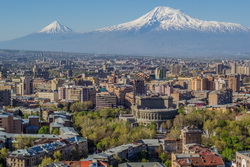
[33, 156]
[106, 100]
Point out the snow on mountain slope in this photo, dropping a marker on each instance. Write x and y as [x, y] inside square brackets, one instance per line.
[162, 31]
[55, 28]
[165, 18]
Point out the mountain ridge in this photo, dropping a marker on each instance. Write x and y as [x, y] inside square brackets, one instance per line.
[166, 18]
[161, 31]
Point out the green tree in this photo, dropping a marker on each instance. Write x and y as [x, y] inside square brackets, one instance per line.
[57, 155]
[163, 156]
[106, 130]
[43, 130]
[46, 161]
[227, 154]
[55, 131]
[168, 163]
[181, 110]
[22, 142]
[144, 160]
[81, 106]
[4, 153]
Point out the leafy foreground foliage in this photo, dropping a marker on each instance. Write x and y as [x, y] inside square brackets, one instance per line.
[106, 131]
[223, 131]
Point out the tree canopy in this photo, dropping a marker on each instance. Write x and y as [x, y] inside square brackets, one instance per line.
[106, 130]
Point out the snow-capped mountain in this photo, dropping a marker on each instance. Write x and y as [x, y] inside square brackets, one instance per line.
[55, 27]
[165, 18]
[163, 31]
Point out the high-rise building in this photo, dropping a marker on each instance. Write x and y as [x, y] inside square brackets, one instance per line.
[220, 97]
[220, 83]
[199, 83]
[160, 72]
[10, 124]
[25, 87]
[233, 82]
[233, 68]
[139, 87]
[106, 100]
[120, 91]
[219, 68]
[53, 96]
[77, 93]
[5, 97]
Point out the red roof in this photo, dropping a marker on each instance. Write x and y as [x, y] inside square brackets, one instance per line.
[85, 163]
[82, 163]
[209, 160]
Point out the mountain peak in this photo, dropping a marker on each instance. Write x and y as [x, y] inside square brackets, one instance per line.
[166, 10]
[55, 27]
[165, 19]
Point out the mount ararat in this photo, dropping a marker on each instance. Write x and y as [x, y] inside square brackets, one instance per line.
[162, 31]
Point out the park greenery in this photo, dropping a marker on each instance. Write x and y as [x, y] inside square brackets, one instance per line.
[81, 106]
[105, 130]
[221, 128]
[22, 142]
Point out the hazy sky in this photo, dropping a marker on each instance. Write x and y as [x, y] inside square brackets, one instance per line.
[22, 17]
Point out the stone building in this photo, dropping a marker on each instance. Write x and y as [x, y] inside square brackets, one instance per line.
[10, 124]
[33, 156]
[220, 97]
[243, 159]
[153, 108]
[106, 100]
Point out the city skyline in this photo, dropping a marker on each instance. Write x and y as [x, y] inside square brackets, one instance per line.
[22, 18]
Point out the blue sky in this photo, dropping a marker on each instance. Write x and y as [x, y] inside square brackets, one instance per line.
[22, 17]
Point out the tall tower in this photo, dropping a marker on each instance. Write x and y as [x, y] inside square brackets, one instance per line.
[25, 87]
[139, 87]
[160, 72]
[233, 82]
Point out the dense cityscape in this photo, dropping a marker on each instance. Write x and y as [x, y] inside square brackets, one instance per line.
[61, 109]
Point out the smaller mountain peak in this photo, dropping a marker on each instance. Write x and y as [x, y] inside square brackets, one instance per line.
[55, 27]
